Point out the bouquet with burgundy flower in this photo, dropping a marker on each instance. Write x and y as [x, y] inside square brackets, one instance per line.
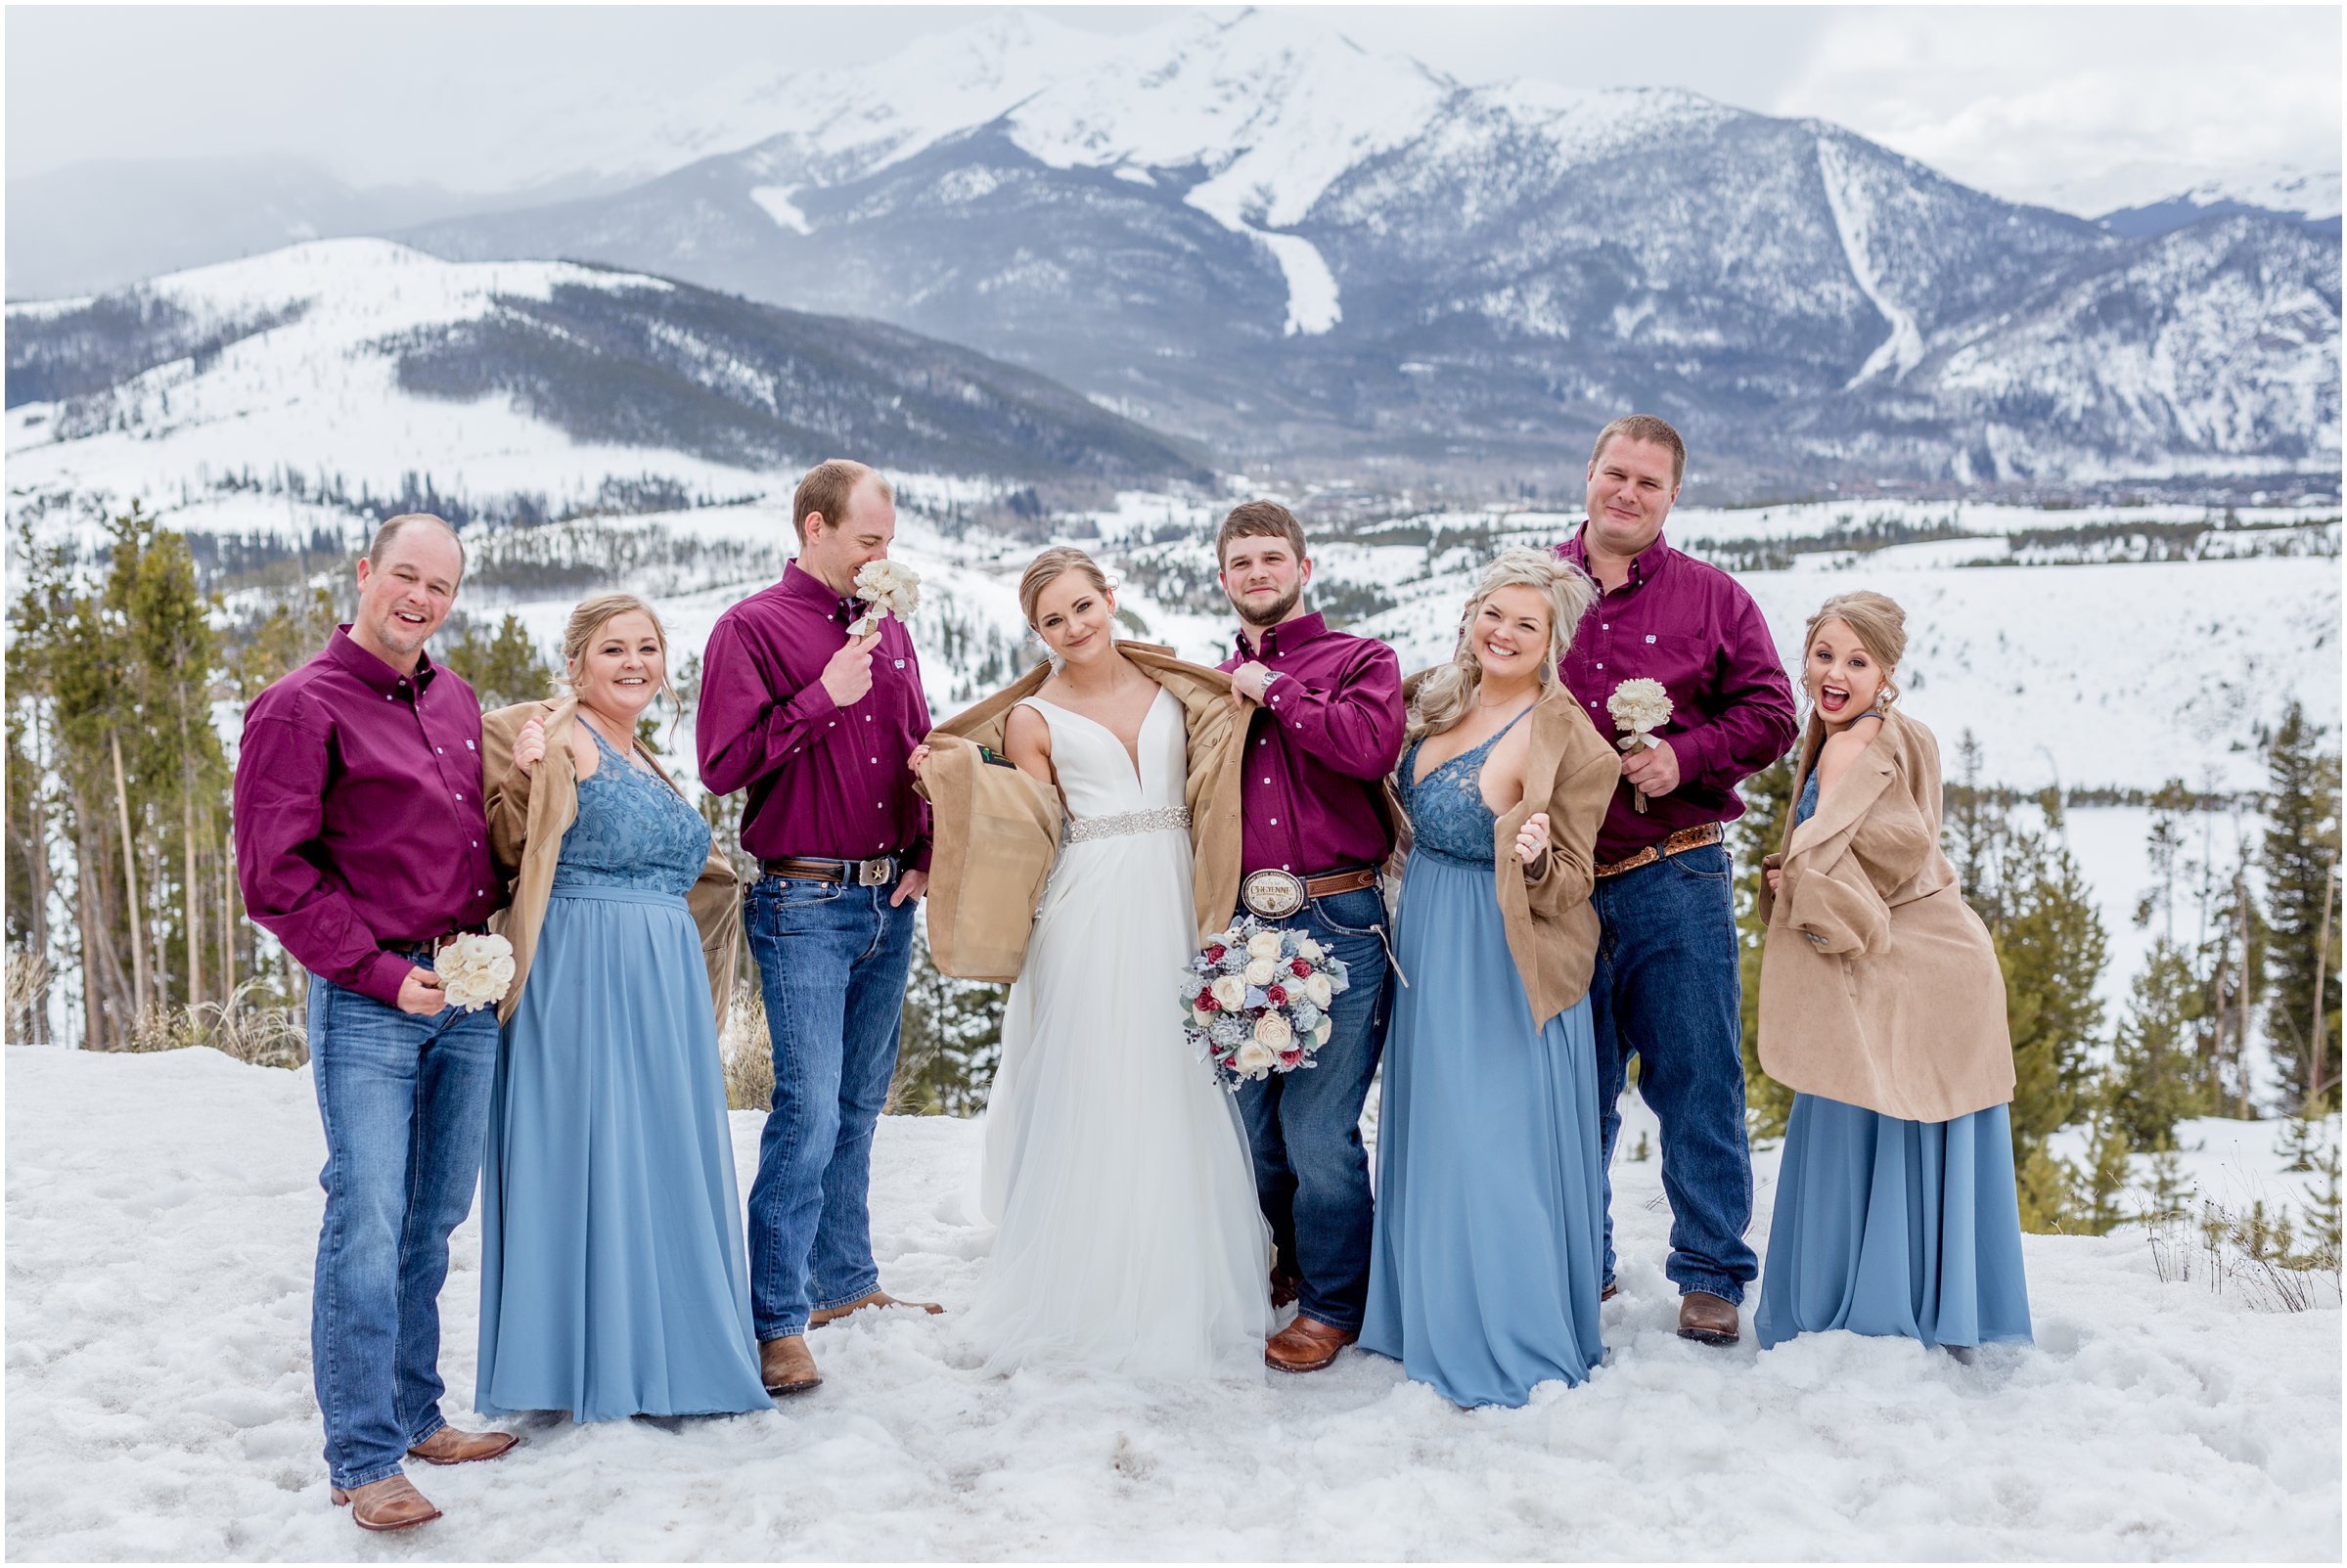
[1255, 1002]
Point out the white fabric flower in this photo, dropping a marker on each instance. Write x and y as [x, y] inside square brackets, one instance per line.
[1255, 1059]
[1259, 972]
[476, 969]
[1273, 1033]
[1639, 707]
[1319, 990]
[1263, 945]
[1309, 951]
[1320, 1036]
[1230, 990]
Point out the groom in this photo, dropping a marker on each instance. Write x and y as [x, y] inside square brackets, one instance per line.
[1318, 751]
[817, 725]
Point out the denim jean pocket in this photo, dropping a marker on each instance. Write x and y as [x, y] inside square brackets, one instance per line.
[1705, 862]
[1360, 902]
[798, 892]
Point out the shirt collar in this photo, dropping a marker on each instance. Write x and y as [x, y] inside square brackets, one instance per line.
[1285, 635]
[1642, 565]
[803, 584]
[344, 651]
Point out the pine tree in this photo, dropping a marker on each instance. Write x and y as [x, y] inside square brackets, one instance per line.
[1768, 801]
[503, 668]
[2301, 859]
[2107, 1177]
[2153, 1083]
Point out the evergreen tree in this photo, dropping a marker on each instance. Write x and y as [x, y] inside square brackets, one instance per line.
[951, 1040]
[2106, 1177]
[1767, 802]
[2301, 857]
[2153, 1083]
[504, 667]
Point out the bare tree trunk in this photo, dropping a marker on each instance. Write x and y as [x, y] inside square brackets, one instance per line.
[2240, 899]
[37, 1027]
[191, 896]
[228, 918]
[2314, 1086]
[85, 910]
[130, 875]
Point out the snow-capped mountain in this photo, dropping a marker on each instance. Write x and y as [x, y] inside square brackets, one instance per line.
[356, 366]
[1257, 234]
[2310, 197]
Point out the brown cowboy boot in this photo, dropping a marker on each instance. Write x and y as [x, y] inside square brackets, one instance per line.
[877, 1298]
[1707, 1318]
[1306, 1345]
[448, 1446]
[391, 1504]
[786, 1365]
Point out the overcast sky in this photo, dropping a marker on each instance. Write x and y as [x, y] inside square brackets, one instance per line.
[2083, 107]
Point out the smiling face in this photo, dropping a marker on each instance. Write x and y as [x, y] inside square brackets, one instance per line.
[1508, 634]
[406, 594]
[836, 549]
[1073, 615]
[1264, 577]
[623, 669]
[1630, 494]
[1843, 679]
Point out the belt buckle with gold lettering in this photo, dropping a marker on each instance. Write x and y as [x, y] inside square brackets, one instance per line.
[1271, 895]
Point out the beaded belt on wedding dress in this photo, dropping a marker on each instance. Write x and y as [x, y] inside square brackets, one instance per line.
[1159, 819]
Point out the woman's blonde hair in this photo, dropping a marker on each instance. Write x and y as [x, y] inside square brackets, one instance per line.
[1447, 695]
[589, 619]
[1044, 570]
[1880, 627]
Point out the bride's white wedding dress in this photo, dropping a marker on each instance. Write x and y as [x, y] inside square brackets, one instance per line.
[1116, 1169]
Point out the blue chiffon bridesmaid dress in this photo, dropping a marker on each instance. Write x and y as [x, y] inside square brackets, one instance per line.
[1489, 1237]
[613, 1276]
[1894, 1228]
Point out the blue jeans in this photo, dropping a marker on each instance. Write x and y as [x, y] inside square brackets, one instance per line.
[832, 960]
[1667, 991]
[405, 1101]
[1311, 1171]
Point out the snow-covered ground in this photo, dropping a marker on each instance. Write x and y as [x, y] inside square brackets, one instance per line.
[161, 1219]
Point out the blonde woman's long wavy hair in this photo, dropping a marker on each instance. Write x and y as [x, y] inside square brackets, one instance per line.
[1879, 625]
[1447, 695]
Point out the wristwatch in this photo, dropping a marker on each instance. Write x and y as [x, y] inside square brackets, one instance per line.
[1269, 676]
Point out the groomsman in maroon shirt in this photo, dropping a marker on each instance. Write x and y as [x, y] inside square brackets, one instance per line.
[1667, 988]
[1314, 833]
[818, 725]
[361, 845]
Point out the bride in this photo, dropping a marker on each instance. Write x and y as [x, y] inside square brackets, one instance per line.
[1116, 1170]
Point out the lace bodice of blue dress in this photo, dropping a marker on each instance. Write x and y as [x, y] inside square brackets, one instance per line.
[1807, 806]
[1447, 812]
[633, 830]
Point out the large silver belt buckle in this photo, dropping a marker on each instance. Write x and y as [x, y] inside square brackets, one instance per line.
[873, 872]
[1271, 895]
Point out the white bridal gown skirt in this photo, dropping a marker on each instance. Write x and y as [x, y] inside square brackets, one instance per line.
[1117, 1168]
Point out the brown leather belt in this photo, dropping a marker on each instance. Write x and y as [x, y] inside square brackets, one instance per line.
[427, 947]
[1352, 881]
[879, 872]
[1685, 838]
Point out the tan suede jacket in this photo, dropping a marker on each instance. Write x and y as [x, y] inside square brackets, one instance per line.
[1880, 986]
[995, 830]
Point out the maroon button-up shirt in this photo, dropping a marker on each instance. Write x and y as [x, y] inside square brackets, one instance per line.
[358, 814]
[1319, 750]
[824, 781]
[1689, 625]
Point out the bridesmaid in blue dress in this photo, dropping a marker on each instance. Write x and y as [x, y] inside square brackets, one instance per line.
[1488, 1247]
[613, 1276]
[1883, 1005]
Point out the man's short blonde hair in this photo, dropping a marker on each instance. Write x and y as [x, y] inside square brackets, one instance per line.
[1645, 427]
[828, 488]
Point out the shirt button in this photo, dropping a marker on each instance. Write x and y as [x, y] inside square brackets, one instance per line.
[1275, 822]
[436, 751]
[1601, 664]
[460, 794]
[1267, 779]
[477, 843]
[1604, 626]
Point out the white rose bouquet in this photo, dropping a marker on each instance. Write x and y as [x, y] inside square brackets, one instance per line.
[890, 588]
[1257, 1001]
[475, 969]
[1640, 707]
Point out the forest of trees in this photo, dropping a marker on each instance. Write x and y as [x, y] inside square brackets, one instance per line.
[125, 930]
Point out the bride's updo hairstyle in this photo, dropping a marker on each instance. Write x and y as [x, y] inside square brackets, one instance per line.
[1044, 570]
[1448, 694]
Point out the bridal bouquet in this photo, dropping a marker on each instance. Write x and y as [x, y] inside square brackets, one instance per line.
[1641, 706]
[890, 588]
[1257, 1001]
[475, 969]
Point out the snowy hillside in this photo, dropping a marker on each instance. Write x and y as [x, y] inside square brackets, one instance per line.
[159, 1401]
[351, 367]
